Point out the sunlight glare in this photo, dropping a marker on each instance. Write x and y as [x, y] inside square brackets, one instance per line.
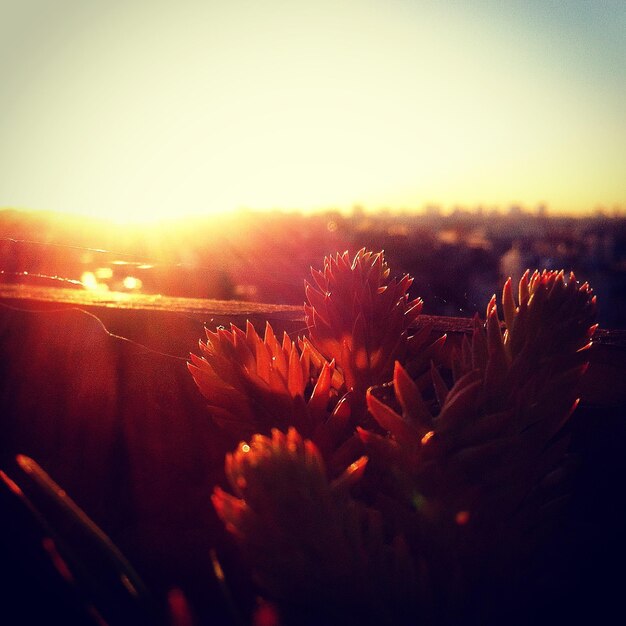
[130, 282]
[90, 281]
[311, 106]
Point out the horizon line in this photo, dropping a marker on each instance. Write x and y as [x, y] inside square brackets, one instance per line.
[541, 209]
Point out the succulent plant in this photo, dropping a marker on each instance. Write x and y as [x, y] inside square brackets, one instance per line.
[481, 471]
[360, 317]
[313, 549]
[377, 475]
[254, 385]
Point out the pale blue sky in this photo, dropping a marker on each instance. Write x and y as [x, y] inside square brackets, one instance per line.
[141, 109]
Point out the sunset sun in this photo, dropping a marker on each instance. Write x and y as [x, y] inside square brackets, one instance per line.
[138, 113]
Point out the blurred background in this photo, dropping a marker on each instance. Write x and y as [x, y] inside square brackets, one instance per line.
[217, 150]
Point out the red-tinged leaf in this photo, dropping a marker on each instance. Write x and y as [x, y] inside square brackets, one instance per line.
[309, 316]
[277, 383]
[295, 379]
[491, 305]
[388, 419]
[225, 336]
[269, 339]
[432, 353]
[343, 409]
[382, 450]
[498, 361]
[224, 346]
[320, 396]
[339, 420]
[231, 510]
[320, 280]
[534, 281]
[203, 375]
[179, 610]
[287, 343]
[311, 353]
[305, 363]
[313, 459]
[494, 333]
[244, 354]
[263, 363]
[198, 362]
[237, 332]
[413, 407]
[234, 466]
[479, 346]
[435, 348]
[251, 334]
[467, 379]
[280, 363]
[404, 283]
[224, 368]
[414, 309]
[218, 394]
[418, 340]
[556, 286]
[439, 385]
[459, 408]
[508, 304]
[591, 330]
[523, 289]
[519, 337]
[351, 475]
[292, 441]
[349, 372]
[351, 449]
[318, 301]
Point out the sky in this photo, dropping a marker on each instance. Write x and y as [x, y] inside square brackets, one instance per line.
[145, 109]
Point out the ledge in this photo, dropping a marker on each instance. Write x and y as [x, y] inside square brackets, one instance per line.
[94, 388]
[173, 326]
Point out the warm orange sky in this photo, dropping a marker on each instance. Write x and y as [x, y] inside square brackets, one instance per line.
[139, 110]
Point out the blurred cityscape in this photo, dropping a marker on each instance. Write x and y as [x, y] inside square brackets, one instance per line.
[458, 259]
